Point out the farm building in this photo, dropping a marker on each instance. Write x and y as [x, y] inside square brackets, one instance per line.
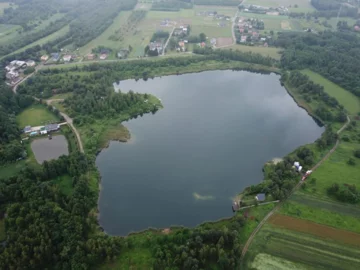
[44, 58]
[260, 197]
[55, 56]
[52, 127]
[27, 129]
[67, 58]
[91, 56]
[30, 63]
[103, 56]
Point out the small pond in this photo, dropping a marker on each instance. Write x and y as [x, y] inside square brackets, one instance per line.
[45, 149]
[184, 164]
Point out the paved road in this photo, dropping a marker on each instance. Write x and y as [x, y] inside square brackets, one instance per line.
[252, 236]
[67, 118]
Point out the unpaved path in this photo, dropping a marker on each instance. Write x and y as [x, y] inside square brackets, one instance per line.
[252, 236]
[69, 120]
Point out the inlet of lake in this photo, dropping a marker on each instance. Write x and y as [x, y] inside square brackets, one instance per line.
[185, 163]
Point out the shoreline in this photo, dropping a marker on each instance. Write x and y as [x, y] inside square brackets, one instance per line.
[239, 194]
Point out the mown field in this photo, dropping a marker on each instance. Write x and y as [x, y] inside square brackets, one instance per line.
[265, 51]
[35, 115]
[347, 99]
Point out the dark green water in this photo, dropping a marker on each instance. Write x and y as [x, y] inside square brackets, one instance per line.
[211, 140]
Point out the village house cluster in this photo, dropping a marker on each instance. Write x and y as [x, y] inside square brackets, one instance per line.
[15, 70]
[247, 31]
[281, 10]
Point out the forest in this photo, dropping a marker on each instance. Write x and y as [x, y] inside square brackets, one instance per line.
[335, 55]
[172, 5]
[10, 105]
[47, 229]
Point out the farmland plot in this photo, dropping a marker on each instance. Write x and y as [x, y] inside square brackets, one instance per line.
[296, 250]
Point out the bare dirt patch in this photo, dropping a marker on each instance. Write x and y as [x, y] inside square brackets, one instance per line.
[285, 25]
[315, 229]
[224, 41]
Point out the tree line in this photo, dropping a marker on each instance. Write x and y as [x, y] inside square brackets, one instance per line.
[335, 55]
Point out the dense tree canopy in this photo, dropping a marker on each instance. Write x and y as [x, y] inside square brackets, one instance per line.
[335, 55]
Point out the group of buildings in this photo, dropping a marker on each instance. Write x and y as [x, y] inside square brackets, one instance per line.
[55, 57]
[15, 69]
[41, 130]
[249, 31]
[281, 10]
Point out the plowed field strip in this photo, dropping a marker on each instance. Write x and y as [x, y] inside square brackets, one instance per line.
[315, 229]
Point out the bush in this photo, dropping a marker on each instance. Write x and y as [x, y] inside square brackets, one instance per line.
[351, 162]
[357, 153]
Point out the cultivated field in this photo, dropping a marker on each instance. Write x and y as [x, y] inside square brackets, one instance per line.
[347, 99]
[275, 247]
[35, 115]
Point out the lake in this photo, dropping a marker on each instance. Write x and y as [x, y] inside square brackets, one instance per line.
[45, 149]
[184, 164]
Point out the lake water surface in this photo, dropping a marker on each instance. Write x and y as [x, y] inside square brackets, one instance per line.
[185, 163]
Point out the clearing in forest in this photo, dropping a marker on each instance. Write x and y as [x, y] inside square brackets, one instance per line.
[35, 115]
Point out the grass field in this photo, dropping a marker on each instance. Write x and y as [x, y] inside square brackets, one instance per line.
[35, 115]
[265, 51]
[11, 169]
[347, 99]
[2, 230]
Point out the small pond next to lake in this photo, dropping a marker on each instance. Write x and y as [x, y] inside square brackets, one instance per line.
[45, 149]
[210, 141]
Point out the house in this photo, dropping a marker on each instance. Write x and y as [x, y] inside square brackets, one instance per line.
[52, 127]
[260, 197]
[91, 56]
[243, 39]
[241, 30]
[103, 56]
[213, 41]
[44, 58]
[27, 129]
[43, 132]
[156, 46]
[12, 75]
[266, 45]
[15, 65]
[263, 39]
[67, 58]
[181, 44]
[30, 63]
[55, 56]
[123, 53]
[202, 44]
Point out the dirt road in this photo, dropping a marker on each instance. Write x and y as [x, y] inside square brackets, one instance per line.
[252, 236]
[67, 118]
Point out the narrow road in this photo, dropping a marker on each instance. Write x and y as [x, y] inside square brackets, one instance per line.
[166, 43]
[67, 118]
[232, 32]
[252, 236]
